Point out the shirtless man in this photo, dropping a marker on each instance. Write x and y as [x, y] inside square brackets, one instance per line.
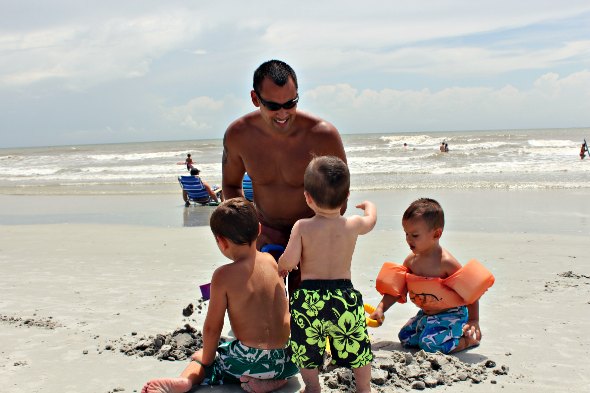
[274, 144]
[253, 294]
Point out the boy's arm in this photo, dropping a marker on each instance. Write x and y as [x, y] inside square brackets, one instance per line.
[472, 328]
[292, 255]
[386, 302]
[214, 319]
[368, 221]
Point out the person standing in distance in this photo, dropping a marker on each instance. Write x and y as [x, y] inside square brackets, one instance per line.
[274, 144]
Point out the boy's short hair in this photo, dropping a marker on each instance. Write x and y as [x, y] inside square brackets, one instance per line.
[327, 181]
[428, 210]
[236, 220]
[195, 171]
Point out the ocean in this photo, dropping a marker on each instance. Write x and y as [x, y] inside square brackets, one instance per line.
[502, 159]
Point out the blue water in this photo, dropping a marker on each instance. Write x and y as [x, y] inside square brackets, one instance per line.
[504, 159]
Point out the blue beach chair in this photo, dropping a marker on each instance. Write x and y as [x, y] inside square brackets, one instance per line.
[247, 187]
[196, 191]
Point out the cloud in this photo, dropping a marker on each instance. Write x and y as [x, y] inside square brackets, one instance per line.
[84, 55]
[552, 101]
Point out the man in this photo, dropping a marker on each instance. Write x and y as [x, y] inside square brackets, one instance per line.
[274, 144]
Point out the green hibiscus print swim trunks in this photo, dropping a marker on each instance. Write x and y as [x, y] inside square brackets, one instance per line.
[333, 309]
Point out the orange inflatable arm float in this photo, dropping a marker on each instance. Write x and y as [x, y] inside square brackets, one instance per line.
[391, 280]
[471, 281]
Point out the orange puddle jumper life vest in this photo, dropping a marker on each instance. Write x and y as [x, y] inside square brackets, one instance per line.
[434, 294]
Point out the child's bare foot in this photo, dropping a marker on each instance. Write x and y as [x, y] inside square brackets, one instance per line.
[167, 385]
[255, 385]
[470, 341]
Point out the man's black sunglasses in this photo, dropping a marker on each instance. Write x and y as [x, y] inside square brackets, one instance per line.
[275, 106]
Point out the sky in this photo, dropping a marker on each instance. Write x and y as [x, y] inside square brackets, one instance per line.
[75, 72]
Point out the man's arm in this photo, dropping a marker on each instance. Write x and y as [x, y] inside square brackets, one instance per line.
[232, 168]
[214, 319]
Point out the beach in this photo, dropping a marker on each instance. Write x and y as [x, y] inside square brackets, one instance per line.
[85, 277]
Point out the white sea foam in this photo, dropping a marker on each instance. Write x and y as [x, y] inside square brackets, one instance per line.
[502, 159]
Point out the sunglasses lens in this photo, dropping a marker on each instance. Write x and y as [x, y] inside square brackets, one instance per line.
[290, 104]
[273, 106]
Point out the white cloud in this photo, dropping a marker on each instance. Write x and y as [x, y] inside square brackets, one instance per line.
[551, 102]
[87, 55]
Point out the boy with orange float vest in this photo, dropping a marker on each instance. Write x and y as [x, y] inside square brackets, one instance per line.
[447, 293]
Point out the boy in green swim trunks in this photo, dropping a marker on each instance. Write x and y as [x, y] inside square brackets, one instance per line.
[326, 304]
[253, 294]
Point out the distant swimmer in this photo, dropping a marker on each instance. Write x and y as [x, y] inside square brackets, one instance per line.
[444, 147]
[584, 150]
[188, 162]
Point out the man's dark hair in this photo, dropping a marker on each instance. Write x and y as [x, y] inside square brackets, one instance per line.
[278, 71]
[236, 220]
[195, 171]
[327, 181]
[428, 210]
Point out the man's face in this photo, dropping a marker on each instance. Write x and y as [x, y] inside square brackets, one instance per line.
[271, 94]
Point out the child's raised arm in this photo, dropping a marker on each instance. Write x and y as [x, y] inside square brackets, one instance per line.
[292, 255]
[368, 221]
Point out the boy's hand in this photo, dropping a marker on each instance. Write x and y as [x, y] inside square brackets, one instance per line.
[362, 205]
[472, 330]
[284, 272]
[378, 315]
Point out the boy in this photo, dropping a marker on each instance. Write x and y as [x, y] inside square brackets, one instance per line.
[253, 294]
[443, 323]
[326, 304]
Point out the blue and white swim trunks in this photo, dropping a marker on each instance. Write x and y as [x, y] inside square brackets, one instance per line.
[439, 332]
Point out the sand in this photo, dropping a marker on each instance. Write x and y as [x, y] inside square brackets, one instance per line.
[90, 284]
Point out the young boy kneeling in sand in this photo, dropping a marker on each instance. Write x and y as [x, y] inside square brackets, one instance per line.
[436, 283]
[253, 294]
[326, 304]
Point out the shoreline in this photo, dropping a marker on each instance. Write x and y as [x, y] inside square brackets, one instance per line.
[514, 211]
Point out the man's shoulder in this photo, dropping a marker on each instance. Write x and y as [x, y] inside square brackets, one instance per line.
[247, 121]
[316, 124]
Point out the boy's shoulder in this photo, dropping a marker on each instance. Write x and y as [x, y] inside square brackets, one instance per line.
[449, 263]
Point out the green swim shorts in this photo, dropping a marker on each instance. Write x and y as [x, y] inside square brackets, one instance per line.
[333, 309]
[234, 359]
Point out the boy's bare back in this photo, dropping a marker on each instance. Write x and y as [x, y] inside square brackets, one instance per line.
[255, 300]
[325, 243]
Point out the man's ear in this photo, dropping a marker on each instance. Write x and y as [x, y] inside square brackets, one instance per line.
[438, 233]
[254, 98]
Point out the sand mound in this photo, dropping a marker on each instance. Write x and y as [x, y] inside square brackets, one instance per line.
[402, 370]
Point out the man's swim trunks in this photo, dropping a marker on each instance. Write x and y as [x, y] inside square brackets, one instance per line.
[234, 359]
[439, 332]
[270, 235]
[333, 309]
